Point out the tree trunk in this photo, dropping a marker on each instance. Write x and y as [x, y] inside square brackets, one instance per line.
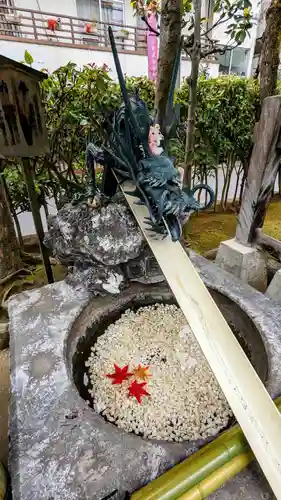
[224, 186]
[170, 29]
[190, 127]
[10, 260]
[216, 188]
[13, 213]
[269, 58]
[238, 173]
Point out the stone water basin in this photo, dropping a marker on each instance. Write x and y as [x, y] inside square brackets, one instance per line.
[99, 315]
[60, 449]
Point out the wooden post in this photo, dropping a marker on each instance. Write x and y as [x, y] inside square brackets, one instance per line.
[37, 218]
[136, 38]
[34, 25]
[72, 31]
[262, 171]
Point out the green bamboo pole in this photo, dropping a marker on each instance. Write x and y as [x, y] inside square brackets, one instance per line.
[218, 478]
[184, 476]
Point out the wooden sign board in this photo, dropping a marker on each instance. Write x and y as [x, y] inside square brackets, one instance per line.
[22, 124]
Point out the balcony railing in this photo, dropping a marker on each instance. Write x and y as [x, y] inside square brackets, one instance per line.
[33, 26]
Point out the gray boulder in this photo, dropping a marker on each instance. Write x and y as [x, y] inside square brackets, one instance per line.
[103, 247]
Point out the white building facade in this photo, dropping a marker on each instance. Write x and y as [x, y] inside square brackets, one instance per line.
[80, 36]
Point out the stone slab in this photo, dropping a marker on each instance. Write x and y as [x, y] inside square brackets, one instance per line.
[59, 448]
[274, 289]
[246, 263]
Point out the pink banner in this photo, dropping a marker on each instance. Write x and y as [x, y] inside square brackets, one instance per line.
[152, 48]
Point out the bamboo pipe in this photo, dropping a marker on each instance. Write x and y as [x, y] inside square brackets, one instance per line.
[218, 478]
[184, 476]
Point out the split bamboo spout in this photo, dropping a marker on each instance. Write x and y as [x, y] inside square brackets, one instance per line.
[205, 471]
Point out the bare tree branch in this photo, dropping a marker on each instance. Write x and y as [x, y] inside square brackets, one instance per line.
[215, 49]
[221, 20]
[144, 18]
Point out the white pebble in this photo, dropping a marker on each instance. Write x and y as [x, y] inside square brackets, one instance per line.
[183, 389]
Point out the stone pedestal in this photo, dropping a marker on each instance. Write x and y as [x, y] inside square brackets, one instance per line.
[58, 440]
[246, 263]
[274, 289]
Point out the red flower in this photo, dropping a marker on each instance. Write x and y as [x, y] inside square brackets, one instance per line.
[137, 390]
[119, 375]
[52, 24]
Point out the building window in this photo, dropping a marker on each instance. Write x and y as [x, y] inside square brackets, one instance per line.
[101, 10]
[234, 62]
[88, 9]
[112, 12]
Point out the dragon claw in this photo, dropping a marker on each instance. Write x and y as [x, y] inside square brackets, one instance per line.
[157, 235]
[155, 227]
[149, 222]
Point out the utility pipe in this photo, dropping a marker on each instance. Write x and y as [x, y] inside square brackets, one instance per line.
[199, 466]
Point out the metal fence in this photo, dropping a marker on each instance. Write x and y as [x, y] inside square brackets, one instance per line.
[57, 29]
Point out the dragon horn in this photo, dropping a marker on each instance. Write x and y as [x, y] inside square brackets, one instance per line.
[123, 86]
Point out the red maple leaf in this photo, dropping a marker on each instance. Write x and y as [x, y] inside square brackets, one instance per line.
[137, 390]
[119, 375]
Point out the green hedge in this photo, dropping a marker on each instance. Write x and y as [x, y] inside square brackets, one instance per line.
[77, 100]
[225, 116]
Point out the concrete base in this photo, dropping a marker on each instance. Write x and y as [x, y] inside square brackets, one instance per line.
[59, 448]
[274, 289]
[246, 263]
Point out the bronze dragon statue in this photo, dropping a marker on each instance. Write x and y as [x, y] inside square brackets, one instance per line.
[127, 155]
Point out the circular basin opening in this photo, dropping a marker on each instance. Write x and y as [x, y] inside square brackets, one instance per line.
[102, 312]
